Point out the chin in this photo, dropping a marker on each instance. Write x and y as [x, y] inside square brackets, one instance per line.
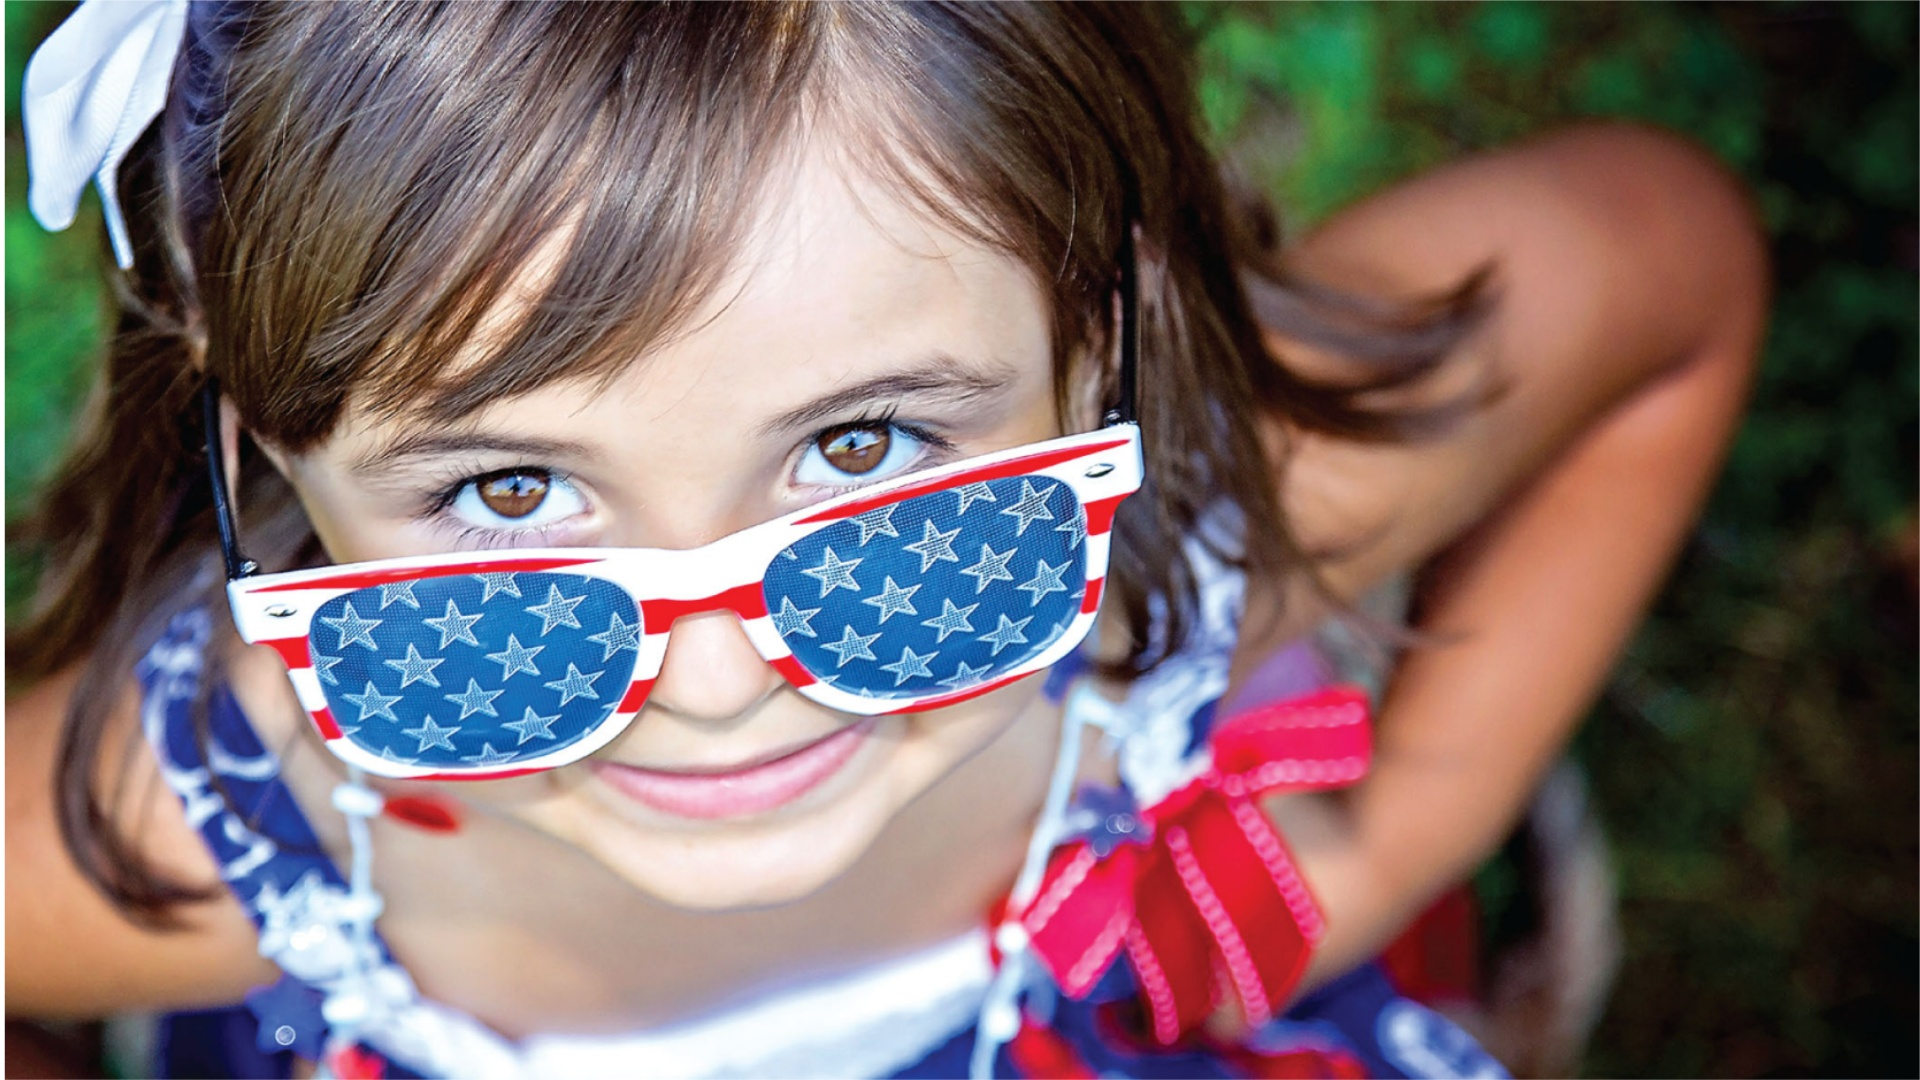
[765, 869]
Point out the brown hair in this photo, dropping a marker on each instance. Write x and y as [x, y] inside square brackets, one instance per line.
[340, 192]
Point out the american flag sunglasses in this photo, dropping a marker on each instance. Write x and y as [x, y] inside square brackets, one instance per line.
[904, 596]
[901, 597]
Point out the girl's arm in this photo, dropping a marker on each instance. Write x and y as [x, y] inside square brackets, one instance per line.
[70, 953]
[1632, 292]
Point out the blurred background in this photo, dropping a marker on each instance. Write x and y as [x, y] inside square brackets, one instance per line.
[1753, 761]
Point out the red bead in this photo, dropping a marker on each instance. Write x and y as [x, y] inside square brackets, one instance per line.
[424, 811]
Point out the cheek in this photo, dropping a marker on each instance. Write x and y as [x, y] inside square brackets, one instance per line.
[1000, 742]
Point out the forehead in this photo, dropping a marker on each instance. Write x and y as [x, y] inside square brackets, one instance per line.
[838, 279]
[840, 276]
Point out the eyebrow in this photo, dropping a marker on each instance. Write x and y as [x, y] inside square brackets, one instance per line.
[941, 377]
[434, 444]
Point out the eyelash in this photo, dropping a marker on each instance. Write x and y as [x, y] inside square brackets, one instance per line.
[446, 489]
[936, 445]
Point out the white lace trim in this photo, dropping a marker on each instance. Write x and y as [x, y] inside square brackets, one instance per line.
[867, 1024]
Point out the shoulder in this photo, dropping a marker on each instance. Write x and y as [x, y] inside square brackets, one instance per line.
[1615, 252]
[70, 952]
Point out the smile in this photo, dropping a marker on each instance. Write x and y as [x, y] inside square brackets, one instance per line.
[753, 789]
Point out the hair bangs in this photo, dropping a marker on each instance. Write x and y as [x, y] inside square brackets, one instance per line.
[583, 178]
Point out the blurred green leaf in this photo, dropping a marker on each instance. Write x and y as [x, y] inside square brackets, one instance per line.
[1511, 33]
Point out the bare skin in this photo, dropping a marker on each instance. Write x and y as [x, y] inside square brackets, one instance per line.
[1633, 292]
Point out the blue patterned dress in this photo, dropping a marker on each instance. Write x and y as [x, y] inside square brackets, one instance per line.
[911, 1017]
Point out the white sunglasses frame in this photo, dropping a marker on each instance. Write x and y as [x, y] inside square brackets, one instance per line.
[1101, 467]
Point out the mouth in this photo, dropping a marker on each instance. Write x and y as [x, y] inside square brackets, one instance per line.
[739, 792]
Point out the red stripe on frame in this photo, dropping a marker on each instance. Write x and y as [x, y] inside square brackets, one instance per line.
[793, 671]
[293, 651]
[1090, 603]
[1015, 467]
[745, 601]
[366, 579]
[504, 774]
[1100, 514]
[945, 700]
[323, 720]
[635, 696]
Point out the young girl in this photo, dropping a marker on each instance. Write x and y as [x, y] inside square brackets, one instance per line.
[608, 543]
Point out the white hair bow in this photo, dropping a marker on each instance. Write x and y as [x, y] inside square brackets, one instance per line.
[92, 87]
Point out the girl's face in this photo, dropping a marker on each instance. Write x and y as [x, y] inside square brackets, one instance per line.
[855, 342]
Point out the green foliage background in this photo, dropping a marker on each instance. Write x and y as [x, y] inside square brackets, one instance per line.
[1754, 758]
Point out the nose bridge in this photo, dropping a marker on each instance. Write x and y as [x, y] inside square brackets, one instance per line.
[710, 669]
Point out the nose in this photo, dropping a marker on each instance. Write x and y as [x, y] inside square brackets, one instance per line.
[710, 672]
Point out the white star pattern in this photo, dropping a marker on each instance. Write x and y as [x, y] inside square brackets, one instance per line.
[323, 666]
[557, 611]
[415, 668]
[475, 700]
[399, 592]
[876, 523]
[1007, 633]
[454, 626]
[432, 734]
[488, 756]
[374, 704]
[991, 567]
[490, 584]
[532, 726]
[1076, 529]
[965, 676]
[852, 646]
[951, 620]
[972, 493]
[791, 620]
[1031, 507]
[575, 684]
[387, 754]
[1046, 579]
[834, 573]
[894, 600]
[354, 630]
[909, 665]
[516, 658]
[618, 636]
[934, 546]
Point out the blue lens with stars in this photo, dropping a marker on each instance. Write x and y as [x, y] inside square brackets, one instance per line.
[935, 594]
[475, 670]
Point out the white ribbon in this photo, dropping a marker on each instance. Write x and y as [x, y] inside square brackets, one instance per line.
[92, 87]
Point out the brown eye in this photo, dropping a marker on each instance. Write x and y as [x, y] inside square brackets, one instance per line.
[855, 449]
[514, 494]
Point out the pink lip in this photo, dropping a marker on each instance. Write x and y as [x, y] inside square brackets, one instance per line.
[755, 789]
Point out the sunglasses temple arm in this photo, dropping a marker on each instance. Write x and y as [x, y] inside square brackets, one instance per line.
[238, 565]
[1124, 411]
